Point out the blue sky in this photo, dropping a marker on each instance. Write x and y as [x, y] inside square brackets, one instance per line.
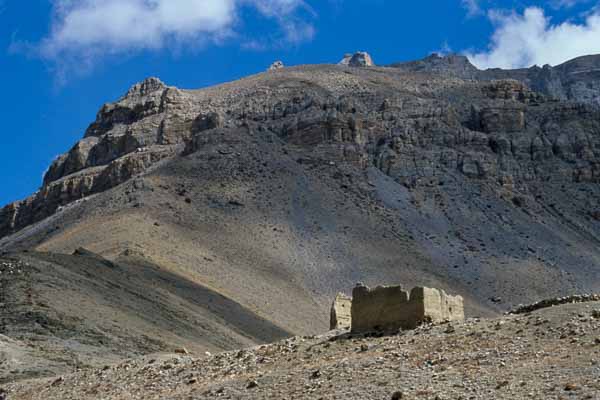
[62, 59]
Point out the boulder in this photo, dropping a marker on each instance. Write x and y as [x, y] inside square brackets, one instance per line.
[358, 59]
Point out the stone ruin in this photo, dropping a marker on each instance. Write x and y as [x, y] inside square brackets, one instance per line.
[340, 312]
[389, 308]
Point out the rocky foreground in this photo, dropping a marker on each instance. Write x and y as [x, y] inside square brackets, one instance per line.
[553, 353]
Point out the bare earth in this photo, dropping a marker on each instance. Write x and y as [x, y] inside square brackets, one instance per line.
[553, 353]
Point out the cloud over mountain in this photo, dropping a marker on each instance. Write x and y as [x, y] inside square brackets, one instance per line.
[522, 40]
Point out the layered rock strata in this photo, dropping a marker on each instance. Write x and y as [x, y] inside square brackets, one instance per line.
[418, 129]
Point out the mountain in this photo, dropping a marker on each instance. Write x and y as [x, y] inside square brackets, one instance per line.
[576, 80]
[231, 215]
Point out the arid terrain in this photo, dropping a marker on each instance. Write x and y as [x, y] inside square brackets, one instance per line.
[228, 217]
[553, 353]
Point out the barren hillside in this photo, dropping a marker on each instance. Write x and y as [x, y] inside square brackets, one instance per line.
[231, 215]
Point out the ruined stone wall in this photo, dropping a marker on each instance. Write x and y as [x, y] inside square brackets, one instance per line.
[382, 309]
[390, 308]
[341, 318]
[437, 305]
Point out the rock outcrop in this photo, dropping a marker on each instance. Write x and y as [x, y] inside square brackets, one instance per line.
[147, 125]
[346, 59]
[358, 59]
[276, 65]
[389, 308]
[341, 317]
[450, 65]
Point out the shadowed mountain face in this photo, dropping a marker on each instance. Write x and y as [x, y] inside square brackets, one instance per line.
[61, 312]
[278, 190]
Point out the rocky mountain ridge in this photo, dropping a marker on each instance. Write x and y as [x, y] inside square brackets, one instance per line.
[153, 122]
[576, 80]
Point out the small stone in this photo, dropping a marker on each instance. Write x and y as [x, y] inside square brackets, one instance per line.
[192, 381]
[571, 387]
[58, 381]
[252, 385]
[502, 384]
[397, 395]
[181, 350]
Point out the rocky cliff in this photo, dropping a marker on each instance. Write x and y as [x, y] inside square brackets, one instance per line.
[150, 123]
[498, 130]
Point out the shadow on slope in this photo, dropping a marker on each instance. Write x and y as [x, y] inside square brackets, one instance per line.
[61, 312]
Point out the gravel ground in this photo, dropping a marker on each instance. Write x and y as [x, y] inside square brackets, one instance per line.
[553, 353]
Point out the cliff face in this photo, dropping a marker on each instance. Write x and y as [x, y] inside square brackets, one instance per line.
[500, 131]
[127, 137]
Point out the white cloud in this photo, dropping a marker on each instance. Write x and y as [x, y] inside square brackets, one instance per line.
[530, 38]
[113, 26]
[83, 31]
